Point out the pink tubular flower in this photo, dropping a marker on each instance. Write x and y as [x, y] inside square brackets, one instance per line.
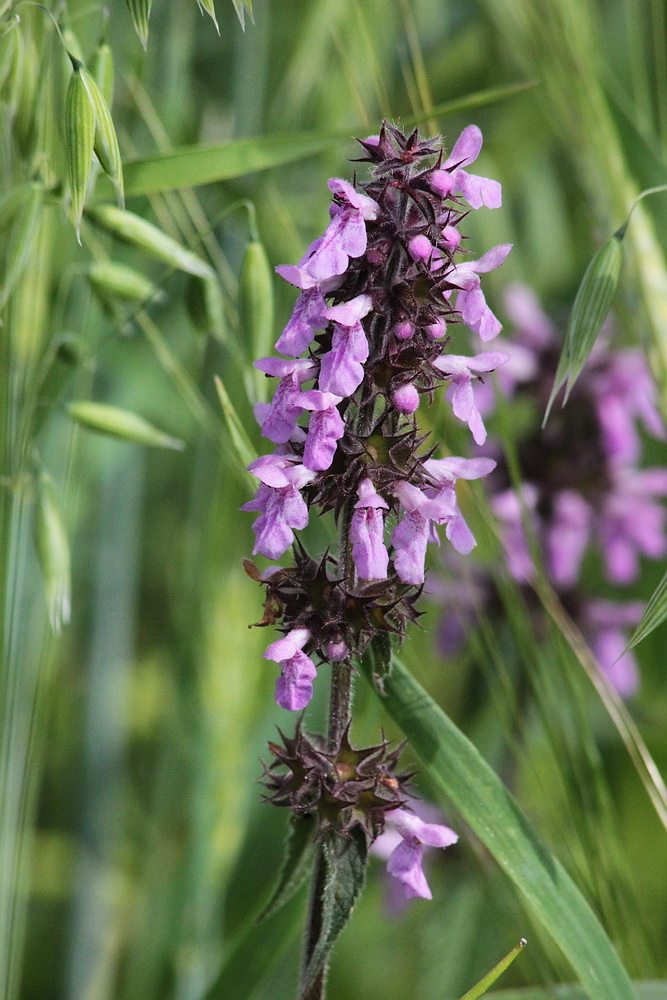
[367, 533]
[470, 300]
[294, 687]
[345, 235]
[444, 472]
[342, 368]
[325, 429]
[461, 371]
[283, 413]
[405, 861]
[413, 532]
[281, 506]
[453, 179]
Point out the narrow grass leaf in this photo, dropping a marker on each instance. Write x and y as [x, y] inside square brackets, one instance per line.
[591, 305]
[141, 12]
[142, 234]
[297, 863]
[645, 990]
[256, 307]
[122, 282]
[242, 444]
[53, 553]
[654, 615]
[22, 240]
[496, 972]
[209, 8]
[121, 423]
[194, 165]
[206, 308]
[256, 951]
[79, 143]
[463, 776]
[106, 141]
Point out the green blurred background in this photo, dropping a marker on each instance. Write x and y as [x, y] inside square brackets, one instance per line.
[136, 850]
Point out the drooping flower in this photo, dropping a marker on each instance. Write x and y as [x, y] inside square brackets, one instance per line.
[367, 533]
[405, 861]
[294, 687]
[453, 179]
[461, 372]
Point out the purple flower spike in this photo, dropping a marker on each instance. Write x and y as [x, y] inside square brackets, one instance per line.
[367, 533]
[461, 371]
[405, 862]
[294, 687]
[325, 429]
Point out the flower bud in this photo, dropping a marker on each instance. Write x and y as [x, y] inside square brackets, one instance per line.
[336, 651]
[405, 398]
[403, 331]
[436, 330]
[420, 248]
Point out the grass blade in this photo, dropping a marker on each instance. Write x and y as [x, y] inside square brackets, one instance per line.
[194, 165]
[654, 615]
[459, 771]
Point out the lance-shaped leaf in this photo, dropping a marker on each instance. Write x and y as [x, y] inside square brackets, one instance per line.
[256, 307]
[458, 770]
[134, 230]
[79, 142]
[53, 552]
[297, 863]
[121, 423]
[341, 879]
[22, 238]
[654, 614]
[591, 305]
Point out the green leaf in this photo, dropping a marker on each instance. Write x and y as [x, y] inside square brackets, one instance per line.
[194, 165]
[255, 953]
[343, 874]
[243, 446]
[459, 771]
[190, 166]
[496, 972]
[591, 305]
[647, 990]
[299, 852]
[654, 615]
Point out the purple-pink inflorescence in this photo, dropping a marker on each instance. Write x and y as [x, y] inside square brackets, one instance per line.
[366, 344]
[367, 341]
[582, 485]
